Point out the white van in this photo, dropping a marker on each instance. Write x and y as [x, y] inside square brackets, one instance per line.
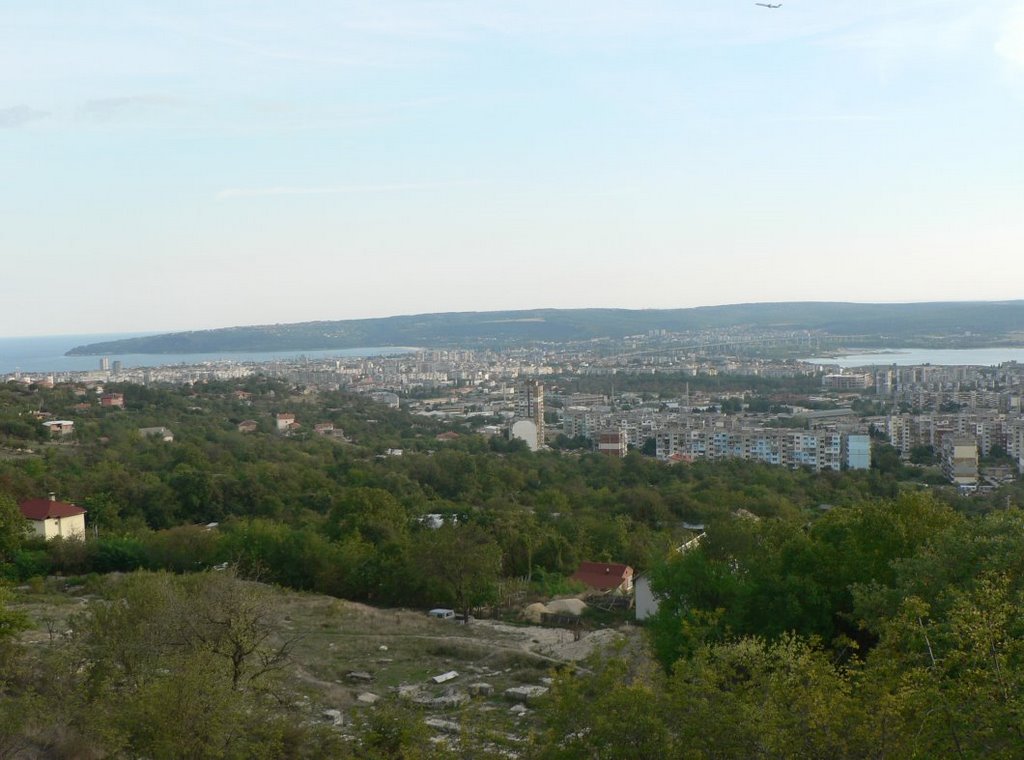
[442, 614]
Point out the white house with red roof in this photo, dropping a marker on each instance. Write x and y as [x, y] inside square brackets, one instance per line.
[51, 518]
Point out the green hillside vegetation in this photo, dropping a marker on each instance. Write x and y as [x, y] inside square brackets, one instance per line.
[889, 624]
[888, 630]
[338, 515]
[972, 323]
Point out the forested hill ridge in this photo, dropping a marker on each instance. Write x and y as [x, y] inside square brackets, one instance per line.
[968, 323]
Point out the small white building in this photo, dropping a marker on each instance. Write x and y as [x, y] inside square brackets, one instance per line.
[644, 601]
[52, 519]
[526, 430]
[60, 427]
[160, 433]
[387, 398]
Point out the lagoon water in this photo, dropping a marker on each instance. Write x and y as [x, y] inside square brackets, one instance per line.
[978, 357]
[46, 354]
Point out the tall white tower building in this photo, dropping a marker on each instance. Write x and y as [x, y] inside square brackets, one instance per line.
[529, 408]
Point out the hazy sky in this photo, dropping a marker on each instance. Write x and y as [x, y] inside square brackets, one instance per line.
[190, 163]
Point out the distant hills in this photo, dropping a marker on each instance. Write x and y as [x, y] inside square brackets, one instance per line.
[960, 323]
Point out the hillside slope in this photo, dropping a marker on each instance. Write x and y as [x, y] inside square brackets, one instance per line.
[986, 321]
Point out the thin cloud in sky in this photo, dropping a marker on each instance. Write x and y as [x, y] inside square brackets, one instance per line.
[218, 44]
[108, 108]
[839, 118]
[397, 187]
[18, 116]
[1010, 44]
[907, 35]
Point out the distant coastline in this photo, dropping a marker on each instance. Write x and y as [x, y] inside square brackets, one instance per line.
[857, 351]
[48, 354]
[939, 325]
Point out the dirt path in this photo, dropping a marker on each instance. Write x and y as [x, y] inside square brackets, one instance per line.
[487, 646]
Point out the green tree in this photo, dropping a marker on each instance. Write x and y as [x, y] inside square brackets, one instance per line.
[462, 563]
[231, 619]
[13, 528]
[885, 458]
[104, 511]
[391, 731]
[372, 512]
[172, 666]
[11, 621]
[195, 714]
[694, 593]
[765, 578]
[923, 455]
[752, 698]
[611, 713]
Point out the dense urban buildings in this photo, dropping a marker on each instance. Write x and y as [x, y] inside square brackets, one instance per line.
[924, 412]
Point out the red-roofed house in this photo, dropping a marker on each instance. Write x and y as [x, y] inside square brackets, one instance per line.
[51, 518]
[682, 458]
[605, 576]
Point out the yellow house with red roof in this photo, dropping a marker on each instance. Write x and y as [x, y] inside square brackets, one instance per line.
[52, 519]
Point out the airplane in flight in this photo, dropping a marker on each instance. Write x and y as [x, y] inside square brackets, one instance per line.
[769, 5]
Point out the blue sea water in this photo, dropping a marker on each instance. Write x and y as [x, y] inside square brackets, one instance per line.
[46, 354]
[978, 357]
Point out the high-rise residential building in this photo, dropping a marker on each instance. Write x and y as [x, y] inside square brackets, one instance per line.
[611, 443]
[529, 400]
[530, 405]
[885, 381]
[1015, 442]
[857, 451]
[960, 460]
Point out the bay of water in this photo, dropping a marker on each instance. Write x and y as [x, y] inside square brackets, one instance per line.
[978, 357]
[46, 354]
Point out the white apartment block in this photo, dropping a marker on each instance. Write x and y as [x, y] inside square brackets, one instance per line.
[848, 381]
[819, 450]
[960, 460]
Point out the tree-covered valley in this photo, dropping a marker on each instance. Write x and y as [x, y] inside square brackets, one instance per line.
[840, 614]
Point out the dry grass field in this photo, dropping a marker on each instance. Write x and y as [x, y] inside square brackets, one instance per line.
[346, 656]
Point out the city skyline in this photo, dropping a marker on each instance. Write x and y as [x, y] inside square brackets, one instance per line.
[175, 166]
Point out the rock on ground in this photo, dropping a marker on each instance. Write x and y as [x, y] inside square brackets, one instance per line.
[525, 693]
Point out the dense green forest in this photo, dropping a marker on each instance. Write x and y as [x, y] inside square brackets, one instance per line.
[339, 515]
[892, 629]
[973, 323]
[850, 614]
